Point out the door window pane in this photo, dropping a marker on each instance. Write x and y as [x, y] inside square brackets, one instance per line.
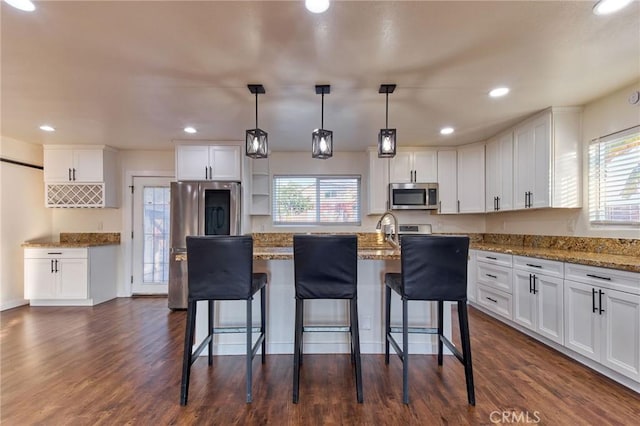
[156, 234]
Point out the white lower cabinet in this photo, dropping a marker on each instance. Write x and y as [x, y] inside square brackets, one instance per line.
[76, 276]
[603, 323]
[493, 275]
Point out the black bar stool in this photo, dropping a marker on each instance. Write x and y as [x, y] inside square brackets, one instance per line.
[221, 268]
[433, 268]
[326, 267]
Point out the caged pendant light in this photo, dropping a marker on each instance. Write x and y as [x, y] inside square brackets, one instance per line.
[321, 139]
[256, 139]
[387, 137]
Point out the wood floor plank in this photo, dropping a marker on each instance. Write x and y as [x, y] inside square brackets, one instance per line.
[120, 363]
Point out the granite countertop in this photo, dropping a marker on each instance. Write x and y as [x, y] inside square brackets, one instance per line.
[286, 253]
[77, 240]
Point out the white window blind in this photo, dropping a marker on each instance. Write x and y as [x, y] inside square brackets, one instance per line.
[316, 200]
[614, 178]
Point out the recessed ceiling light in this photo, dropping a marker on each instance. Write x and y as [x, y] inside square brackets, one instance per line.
[446, 130]
[47, 128]
[605, 7]
[25, 5]
[499, 91]
[317, 6]
[190, 130]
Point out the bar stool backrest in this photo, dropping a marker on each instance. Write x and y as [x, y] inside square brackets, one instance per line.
[434, 267]
[326, 266]
[219, 267]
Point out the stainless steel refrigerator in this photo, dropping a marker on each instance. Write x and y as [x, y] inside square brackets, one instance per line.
[198, 208]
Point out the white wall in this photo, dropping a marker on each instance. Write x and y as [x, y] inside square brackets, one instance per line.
[23, 216]
[603, 116]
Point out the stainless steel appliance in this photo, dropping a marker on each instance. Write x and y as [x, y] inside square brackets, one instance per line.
[413, 196]
[198, 208]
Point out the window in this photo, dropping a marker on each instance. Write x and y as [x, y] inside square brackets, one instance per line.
[156, 234]
[614, 178]
[316, 200]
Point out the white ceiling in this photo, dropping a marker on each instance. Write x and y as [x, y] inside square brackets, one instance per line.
[133, 74]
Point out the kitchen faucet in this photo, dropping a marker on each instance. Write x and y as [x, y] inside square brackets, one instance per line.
[392, 238]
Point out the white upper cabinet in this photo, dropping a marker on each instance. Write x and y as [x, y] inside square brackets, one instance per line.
[447, 181]
[414, 166]
[499, 173]
[547, 160]
[208, 162]
[470, 179]
[67, 164]
[378, 183]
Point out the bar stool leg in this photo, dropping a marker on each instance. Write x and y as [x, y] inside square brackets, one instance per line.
[210, 331]
[466, 350]
[296, 350]
[186, 358]
[440, 330]
[387, 322]
[263, 304]
[405, 351]
[355, 338]
[249, 349]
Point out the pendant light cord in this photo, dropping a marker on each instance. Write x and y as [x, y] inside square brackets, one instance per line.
[256, 109]
[322, 112]
[386, 121]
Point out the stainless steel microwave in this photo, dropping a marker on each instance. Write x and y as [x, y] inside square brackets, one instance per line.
[413, 196]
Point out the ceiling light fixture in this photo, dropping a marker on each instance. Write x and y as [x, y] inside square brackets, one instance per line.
[387, 136]
[25, 5]
[256, 139]
[446, 130]
[316, 6]
[321, 139]
[190, 129]
[47, 128]
[498, 92]
[606, 7]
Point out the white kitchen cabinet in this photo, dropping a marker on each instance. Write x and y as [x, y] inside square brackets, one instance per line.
[547, 160]
[602, 322]
[414, 166]
[378, 183]
[447, 181]
[64, 164]
[260, 187]
[494, 281]
[70, 276]
[538, 296]
[499, 173]
[472, 284]
[208, 162]
[470, 179]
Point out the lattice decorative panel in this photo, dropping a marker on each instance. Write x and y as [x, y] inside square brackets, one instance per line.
[75, 195]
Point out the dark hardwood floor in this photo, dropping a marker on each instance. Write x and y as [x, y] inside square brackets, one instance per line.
[120, 363]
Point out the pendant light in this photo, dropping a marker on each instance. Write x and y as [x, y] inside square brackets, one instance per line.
[387, 137]
[321, 139]
[256, 139]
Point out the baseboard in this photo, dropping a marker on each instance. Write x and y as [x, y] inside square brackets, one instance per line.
[13, 304]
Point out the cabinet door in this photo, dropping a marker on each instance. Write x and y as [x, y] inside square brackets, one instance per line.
[39, 279]
[425, 166]
[401, 168]
[447, 182]
[621, 332]
[225, 163]
[492, 175]
[581, 324]
[505, 165]
[523, 151]
[472, 285]
[541, 184]
[192, 162]
[524, 301]
[549, 309]
[88, 165]
[470, 182]
[57, 165]
[378, 184]
[72, 279]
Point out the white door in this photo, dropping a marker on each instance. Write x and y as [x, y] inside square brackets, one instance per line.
[524, 301]
[581, 320]
[401, 168]
[425, 164]
[150, 248]
[621, 329]
[448, 181]
[550, 308]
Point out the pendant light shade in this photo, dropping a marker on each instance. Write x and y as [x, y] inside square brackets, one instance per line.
[256, 139]
[321, 139]
[387, 137]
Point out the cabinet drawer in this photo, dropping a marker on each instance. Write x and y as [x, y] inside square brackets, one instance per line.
[495, 276]
[603, 277]
[496, 301]
[501, 259]
[57, 253]
[540, 266]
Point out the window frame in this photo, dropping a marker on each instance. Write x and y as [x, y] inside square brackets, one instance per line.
[317, 178]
